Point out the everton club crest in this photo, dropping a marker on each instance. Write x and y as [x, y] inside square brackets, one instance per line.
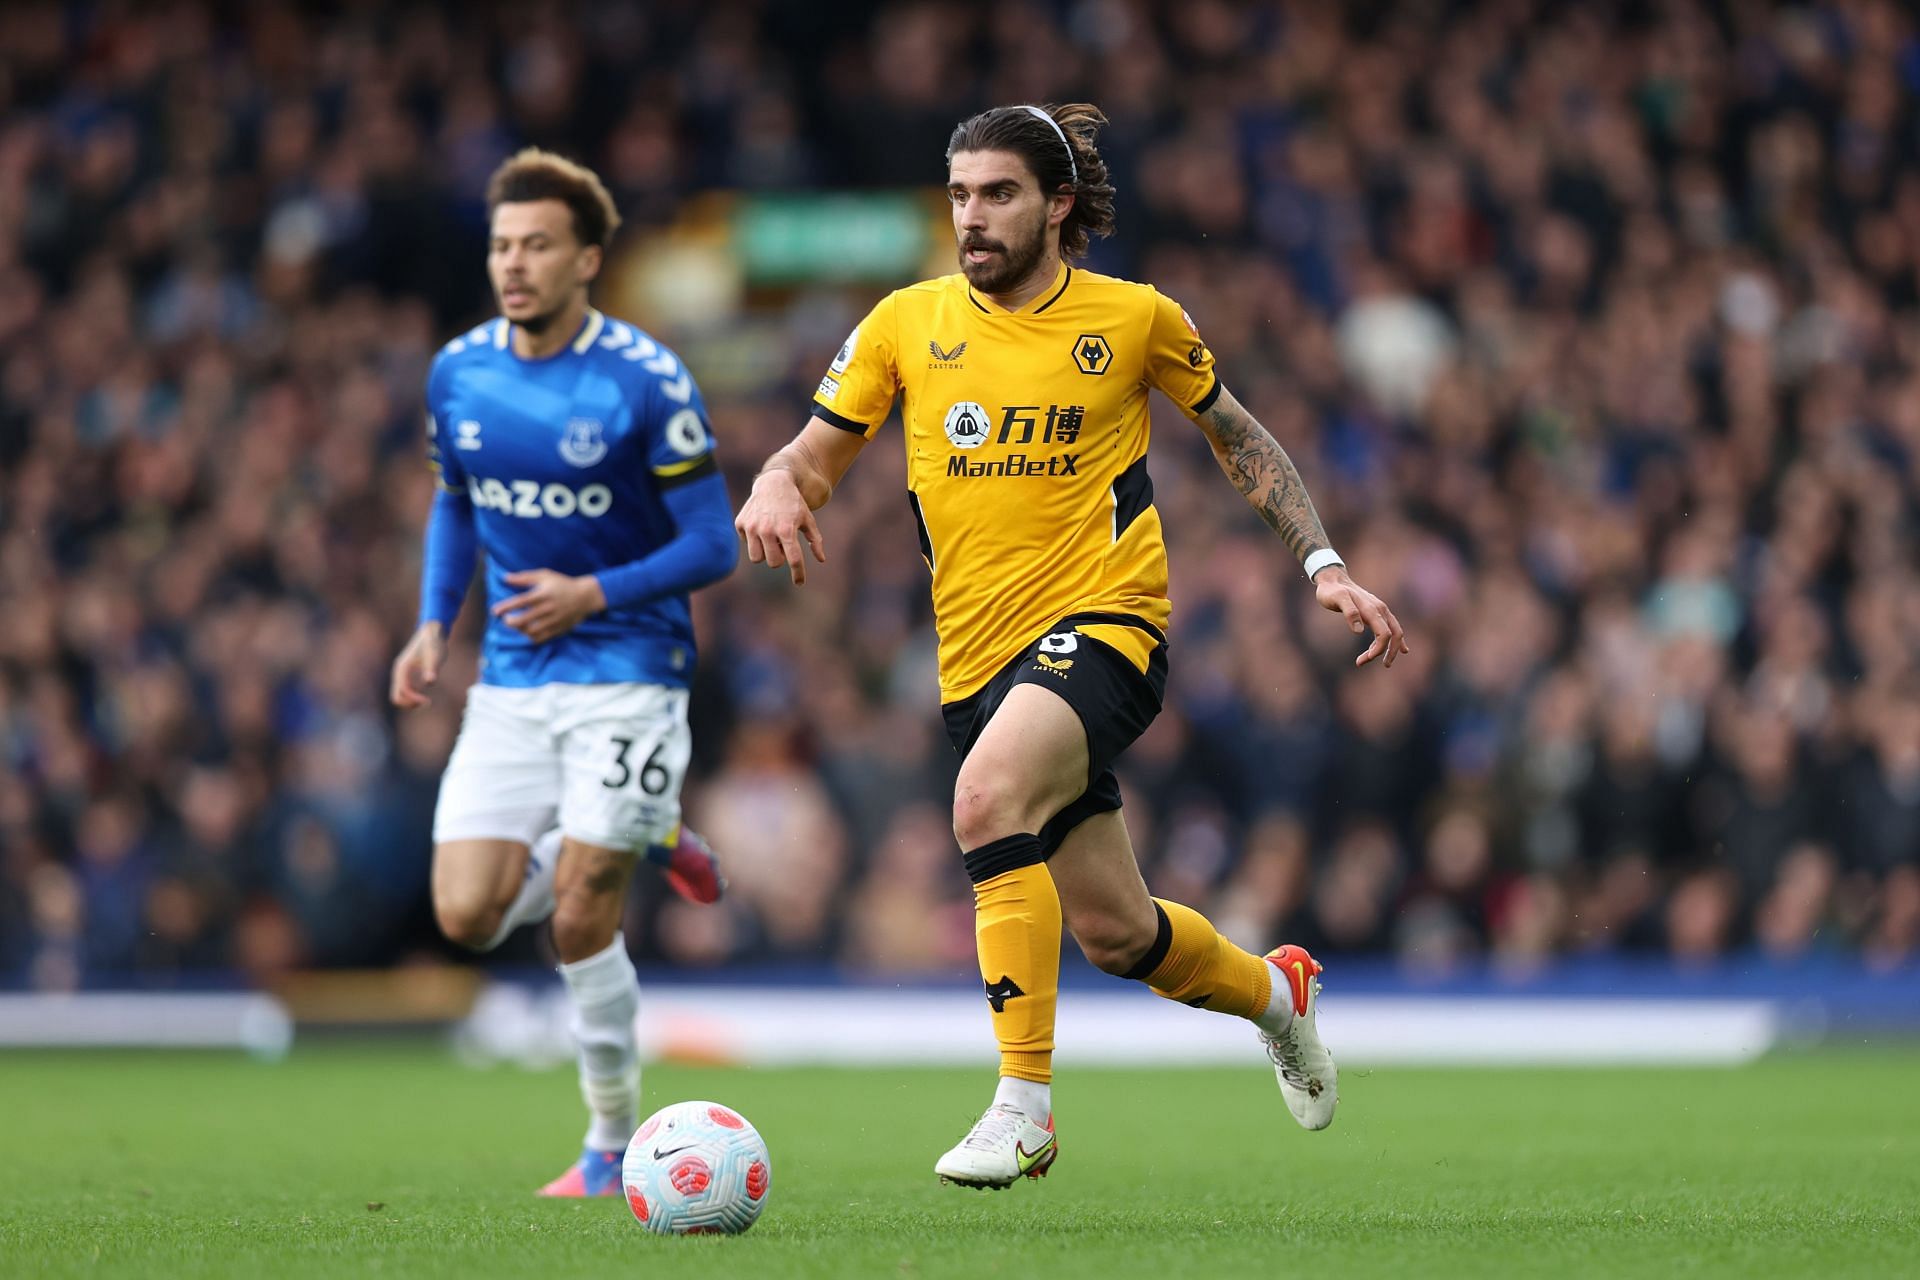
[583, 444]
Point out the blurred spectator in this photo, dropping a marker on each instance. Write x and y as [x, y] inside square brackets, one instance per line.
[908, 916]
[1594, 331]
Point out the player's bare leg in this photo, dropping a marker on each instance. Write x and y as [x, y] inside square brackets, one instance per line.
[590, 893]
[1028, 764]
[1103, 900]
[1177, 953]
[485, 889]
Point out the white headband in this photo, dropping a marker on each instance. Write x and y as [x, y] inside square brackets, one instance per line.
[1055, 126]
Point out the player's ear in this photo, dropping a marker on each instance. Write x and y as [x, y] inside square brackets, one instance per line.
[591, 256]
[1059, 207]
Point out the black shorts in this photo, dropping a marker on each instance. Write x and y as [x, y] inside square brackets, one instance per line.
[1114, 700]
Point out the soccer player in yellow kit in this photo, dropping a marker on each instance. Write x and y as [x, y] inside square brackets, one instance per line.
[1025, 384]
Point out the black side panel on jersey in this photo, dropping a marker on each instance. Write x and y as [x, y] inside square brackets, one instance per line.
[1132, 494]
[920, 527]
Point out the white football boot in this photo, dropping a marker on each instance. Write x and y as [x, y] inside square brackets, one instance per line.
[1002, 1145]
[1309, 1081]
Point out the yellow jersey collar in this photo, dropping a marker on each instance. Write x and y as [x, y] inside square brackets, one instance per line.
[1039, 302]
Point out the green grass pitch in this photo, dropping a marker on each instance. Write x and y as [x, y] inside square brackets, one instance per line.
[394, 1161]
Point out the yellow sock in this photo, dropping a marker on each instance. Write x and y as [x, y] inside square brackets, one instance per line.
[1190, 962]
[1017, 930]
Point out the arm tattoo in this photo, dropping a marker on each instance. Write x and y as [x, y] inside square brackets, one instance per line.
[1263, 473]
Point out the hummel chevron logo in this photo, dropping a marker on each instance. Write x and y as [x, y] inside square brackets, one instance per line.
[946, 357]
[998, 993]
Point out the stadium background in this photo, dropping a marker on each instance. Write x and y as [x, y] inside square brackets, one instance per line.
[1594, 329]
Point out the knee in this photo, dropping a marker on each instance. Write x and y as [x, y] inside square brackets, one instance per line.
[1112, 943]
[468, 922]
[986, 808]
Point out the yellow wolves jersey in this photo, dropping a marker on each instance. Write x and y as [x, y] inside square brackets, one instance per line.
[1026, 435]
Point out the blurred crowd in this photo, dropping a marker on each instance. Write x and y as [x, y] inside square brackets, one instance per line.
[1595, 330]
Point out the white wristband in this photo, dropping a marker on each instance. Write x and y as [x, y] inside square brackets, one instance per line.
[1321, 559]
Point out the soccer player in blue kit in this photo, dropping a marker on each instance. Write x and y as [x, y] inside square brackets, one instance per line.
[574, 450]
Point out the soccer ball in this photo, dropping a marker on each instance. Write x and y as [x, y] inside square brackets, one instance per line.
[696, 1168]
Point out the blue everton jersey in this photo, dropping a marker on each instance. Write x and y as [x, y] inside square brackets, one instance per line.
[564, 460]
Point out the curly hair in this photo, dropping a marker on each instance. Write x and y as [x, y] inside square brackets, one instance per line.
[536, 174]
[1075, 168]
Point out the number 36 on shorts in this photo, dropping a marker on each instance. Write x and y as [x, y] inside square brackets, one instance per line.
[604, 761]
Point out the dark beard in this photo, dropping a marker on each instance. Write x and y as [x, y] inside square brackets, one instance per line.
[537, 325]
[1015, 265]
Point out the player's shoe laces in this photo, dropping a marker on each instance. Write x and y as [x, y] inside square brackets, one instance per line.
[1003, 1145]
[1308, 1079]
[596, 1173]
[690, 866]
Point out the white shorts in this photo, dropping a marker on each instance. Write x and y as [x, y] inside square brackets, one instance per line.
[604, 760]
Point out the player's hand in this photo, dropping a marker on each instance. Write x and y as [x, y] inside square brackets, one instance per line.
[552, 604]
[773, 522]
[417, 669]
[1339, 594]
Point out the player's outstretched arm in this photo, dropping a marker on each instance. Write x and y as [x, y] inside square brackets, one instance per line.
[796, 482]
[417, 669]
[447, 567]
[1271, 484]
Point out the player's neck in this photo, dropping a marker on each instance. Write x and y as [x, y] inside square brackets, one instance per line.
[1038, 281]
[557, 333]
